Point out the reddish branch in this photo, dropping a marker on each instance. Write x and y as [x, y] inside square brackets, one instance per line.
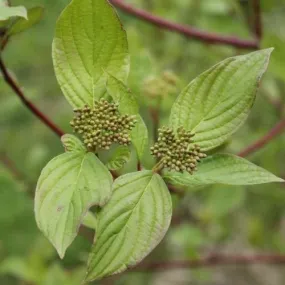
[213, 260]
[273, 133]
[13, 84]
[11, 167]
[187, 31]
[257, 19]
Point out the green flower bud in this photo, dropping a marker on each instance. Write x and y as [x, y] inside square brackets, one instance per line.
[103, 125]
[172, 149]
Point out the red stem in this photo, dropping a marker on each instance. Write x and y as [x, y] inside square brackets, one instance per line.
[11, 167]
[187, 31]
[257, 19]
[213, 260]
[12, 83]
[273, 133]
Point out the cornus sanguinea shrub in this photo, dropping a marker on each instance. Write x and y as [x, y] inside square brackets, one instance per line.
[91, 62]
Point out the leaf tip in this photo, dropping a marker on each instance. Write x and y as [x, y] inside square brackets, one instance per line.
[61, 252]
[279, 180]
[25, 13]
[267, 51]
[88, 277]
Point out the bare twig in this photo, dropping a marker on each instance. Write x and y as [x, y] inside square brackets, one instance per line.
[154, 112]
[13, 84]
[3, 42]
[139, 166]
[9, 165]
[213, 260]
[174, 190]
[272, 134]
[257, 19]
[187, 31]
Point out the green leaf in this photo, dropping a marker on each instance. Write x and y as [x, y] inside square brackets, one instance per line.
[4, 24]
[35, 14]
[7, 12]
[89, 42]
[16, 267]
[139, 136]
[122, 95]
[132, 223]
[223, 169]
[120, 157]
[90, 220]
[128, 105]
[68, 186]
[216, 103]
[55, 275]
[72, 143]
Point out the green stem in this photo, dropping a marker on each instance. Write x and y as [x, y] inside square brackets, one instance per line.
[158, 166]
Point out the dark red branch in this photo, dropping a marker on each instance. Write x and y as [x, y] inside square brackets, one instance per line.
[272, 134]
[12, 83]
[187, 31]
[257, 19]
[213, 260]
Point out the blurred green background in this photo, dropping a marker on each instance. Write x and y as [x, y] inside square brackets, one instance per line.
[213, 219]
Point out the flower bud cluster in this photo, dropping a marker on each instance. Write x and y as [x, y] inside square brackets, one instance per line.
[161, 86]
[175, 150]
[102, 125]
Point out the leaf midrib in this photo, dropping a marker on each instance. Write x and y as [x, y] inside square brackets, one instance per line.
[138, 202]
[220, 99]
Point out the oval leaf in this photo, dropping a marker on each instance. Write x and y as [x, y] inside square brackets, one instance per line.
[216, 103]
[128, 105]
[35, 14]
[139, 136]
[120, 157]
[72, 143]
[68, 186]
[122, 95]
[89, 40]
[223, 169]
[133, 222]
